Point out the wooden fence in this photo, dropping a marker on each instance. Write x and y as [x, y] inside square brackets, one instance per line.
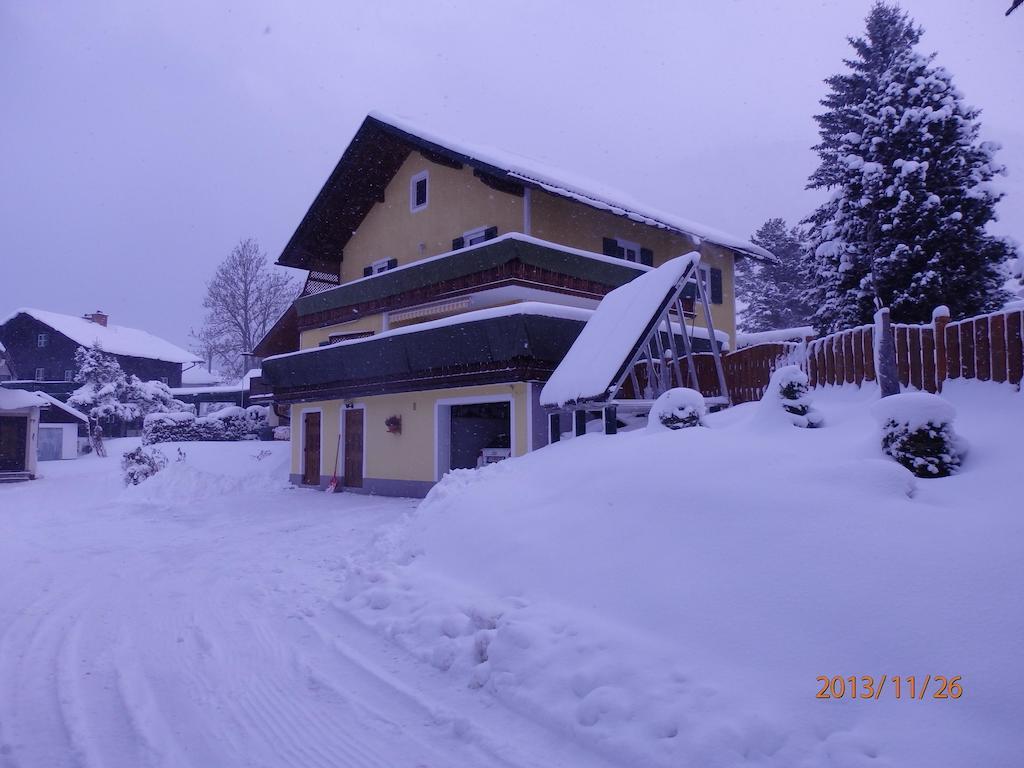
[986, 347]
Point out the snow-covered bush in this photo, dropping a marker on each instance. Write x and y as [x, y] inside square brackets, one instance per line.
[141, 464]
[677, 409]
[282, 433]
[788, 394]
[231, 423]
[917, 431]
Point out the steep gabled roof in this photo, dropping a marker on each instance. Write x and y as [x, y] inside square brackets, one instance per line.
[115, 339]
[383, 143]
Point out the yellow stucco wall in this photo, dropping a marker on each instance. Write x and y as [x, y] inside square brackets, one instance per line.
[313, 336]
[457, 202]
[567, 222]
[410, 455]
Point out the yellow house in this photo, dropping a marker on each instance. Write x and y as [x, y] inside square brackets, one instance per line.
[445, 285]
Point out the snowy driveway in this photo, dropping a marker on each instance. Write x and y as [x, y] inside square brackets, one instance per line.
[194, 625]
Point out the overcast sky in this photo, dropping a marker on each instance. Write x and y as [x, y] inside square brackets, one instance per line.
[141, 140]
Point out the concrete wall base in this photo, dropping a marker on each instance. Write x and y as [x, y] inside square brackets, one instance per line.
[413, 489]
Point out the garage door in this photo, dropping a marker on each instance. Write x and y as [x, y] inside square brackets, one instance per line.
[51, 440]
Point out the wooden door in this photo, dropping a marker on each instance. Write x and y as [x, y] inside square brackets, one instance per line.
[311, 449]
[354, 448]
[13, 434]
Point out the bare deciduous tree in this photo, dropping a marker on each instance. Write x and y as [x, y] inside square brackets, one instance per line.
[243, 300]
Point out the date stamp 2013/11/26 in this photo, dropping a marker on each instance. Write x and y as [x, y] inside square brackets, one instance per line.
[906, 687]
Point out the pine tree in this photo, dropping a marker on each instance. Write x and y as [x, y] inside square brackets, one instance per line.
[102, 394]
[912, 193]
[108, 394]
[773, 291]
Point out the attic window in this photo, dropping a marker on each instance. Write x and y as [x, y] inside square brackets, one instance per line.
[418, 192]
[42, 340]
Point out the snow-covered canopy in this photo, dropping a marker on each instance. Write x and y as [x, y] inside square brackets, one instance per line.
[17, 399]
[620, 322]
[115, 339]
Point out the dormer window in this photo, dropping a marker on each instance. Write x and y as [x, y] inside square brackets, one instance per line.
[42, 340]
[418, 192]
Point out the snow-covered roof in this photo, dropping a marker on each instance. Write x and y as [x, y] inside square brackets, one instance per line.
[559, 182]
[115, 339]
[617, 326]
[198, 376]
[51, 400]
[16, 399]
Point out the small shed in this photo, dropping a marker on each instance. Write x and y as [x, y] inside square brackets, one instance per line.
[63, 431]
[19, 428]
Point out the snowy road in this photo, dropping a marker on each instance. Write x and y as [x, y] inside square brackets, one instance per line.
[136, 631]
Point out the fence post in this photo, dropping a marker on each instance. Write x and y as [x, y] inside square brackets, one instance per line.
[940, 319]
[885, 354]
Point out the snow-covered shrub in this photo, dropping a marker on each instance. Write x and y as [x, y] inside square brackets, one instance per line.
[282, 433]
[917, 431]
[788, 393]
[232, 423]
[141, 464]
[677, 409]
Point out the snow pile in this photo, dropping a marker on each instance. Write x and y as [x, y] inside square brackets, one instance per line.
[775, 336]
[787, 400]
[616, 327]
[676, 409]
[917, 431]
[206, 470]
[669, 597]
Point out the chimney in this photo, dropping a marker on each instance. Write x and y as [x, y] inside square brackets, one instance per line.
[98, 317]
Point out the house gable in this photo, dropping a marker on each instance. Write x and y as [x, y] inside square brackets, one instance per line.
[457, 202]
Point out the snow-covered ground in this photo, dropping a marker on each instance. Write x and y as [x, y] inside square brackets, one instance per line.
[653, 599]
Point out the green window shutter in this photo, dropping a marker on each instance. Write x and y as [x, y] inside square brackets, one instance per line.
[367, 271]
[609, 246]
[458, 242]
[392, 263]
[716, 286]
[490, 233]
[647, 257]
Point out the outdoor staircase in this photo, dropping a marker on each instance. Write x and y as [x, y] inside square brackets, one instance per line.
[14, 477]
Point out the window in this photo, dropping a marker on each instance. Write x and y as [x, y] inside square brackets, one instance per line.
[69, 375]
[474, 236]
[40, 374]
[380, 265]
[43, 340]
[418, 192]
[628, 250]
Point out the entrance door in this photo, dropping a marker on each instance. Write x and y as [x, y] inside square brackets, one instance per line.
[354, 448]
[13, 432]
[311, 449]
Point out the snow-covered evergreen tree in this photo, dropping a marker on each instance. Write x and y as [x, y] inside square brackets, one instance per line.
[773, 292]
[101, 395]
[107, 393]
[911, 189]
